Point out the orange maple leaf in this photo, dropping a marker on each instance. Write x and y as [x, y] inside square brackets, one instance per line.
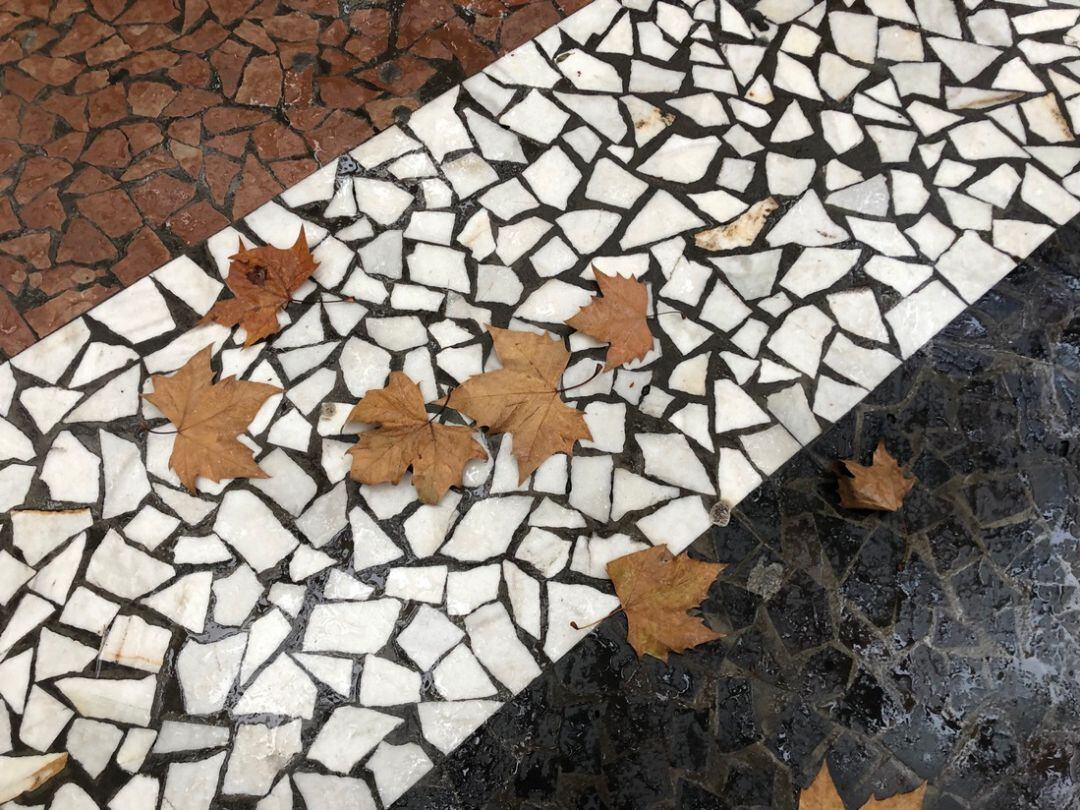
[656, 591]
[821, 794]
[880, 486]
[208, 417]
[619, 318]
[262, 281]
[522, 398]
[407, 437]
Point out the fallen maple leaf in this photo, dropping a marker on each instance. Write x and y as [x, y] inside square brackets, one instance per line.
[619, 318]
[656, 591]
[208, 417]
[821, 795]
[522, 398]
[406, 437]
[881, 486]
[262, 281]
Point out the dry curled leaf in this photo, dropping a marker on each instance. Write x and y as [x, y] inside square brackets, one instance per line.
[522, 398]
[821, 794]
[208, 417]
[656, 591]
[262, 281]
[880, 486]
[619, 318]
[407, 437]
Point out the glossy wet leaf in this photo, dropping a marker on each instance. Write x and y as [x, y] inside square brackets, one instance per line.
[407, 437]
[618, 317]
[656, 591]
[262, 281]
[881, 485]
[821, 794]
[523, 399]
[208, 417]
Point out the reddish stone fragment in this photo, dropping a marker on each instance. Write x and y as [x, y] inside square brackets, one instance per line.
[37, 175]
[161, 196]
[84, 33]
[334, 34]
[228, 61]
[89, 181]
[292, 27]
[191, 101]
[64, 277]
[92, 81]
[142, 136]
[71, 108]
[256, 186]
[570, 6]
[155, 161]
[9, 116]
[142, 63]
[149, 11]
[84, 243]
[62, 10]
[385, 112]
[193, 10]
[299, 88]
[108, 51]
[36, 38]
[293, 171]
[192, 71]
[145, 254]
[65, 307]
[219, 172]
[227, 119]
[148, 99]
[189, 131]
[24, 86]
[420, 16]
[109, 149]
[228, 11]
[189, 157]
[50, 70]
[262, 82]
[37, 126]
[324, 8]
[67, 147]
[205, 37]
[338, 62]
[15, 335]
[343, 93]
[304, 119]
[400, 76]
[257, 36]
[34, 247]
[10, 51]
[8, 221]
[525, 23]
[365, 48]
[10, 154]
[45, 211]
[338, 133]
[107, 106]
[108, 9]
[197, 222]
[274, 141]
[12, 274]
[297, 54]
[235, 144]
[487, 28]
[111, 211]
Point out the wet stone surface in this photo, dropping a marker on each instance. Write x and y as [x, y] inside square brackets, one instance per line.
[938, 643]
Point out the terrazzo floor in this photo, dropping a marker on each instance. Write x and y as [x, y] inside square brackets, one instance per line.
[811, 193]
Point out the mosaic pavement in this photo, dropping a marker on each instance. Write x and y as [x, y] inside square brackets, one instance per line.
[811, 192]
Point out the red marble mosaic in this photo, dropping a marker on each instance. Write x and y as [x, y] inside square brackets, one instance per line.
[132, 129]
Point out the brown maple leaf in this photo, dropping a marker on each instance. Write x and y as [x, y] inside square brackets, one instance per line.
[880, 486]
[619, 318]
[407, 437]
[262, 281]
[821, 794]
[208, 417]
[656, 591]
[522, 398]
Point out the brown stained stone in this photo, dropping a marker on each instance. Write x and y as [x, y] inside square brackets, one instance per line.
[197, 222]
[149, 62]
[109, 149]
[9, 116]
[189, 131]
[84, 243]
[108, 9]
[155, 161]
[8, 221]
[89, 181]
[145, 254]
[228, 11]
[193, 11]
[191, 101]
[108, 51]
[487, 27]
[343, 93]
[84, 33]
[420, 16]
[274, 141]
[37, 126]
[293, 27]
[10, 154]
[324, 8]
[148, 99]
[293, 171]
[192, 70]
[71, 108]
[365, 48]
[22, 85]
[49, 70]
[15, 335]
[12, 274]
[142, 136]
[111, 211]
[228, 61]
[61, 10]
[10, 51]
[107, 106]
[338, 133]
[190, 158]
[161, 196]
[334, 34]
[400, 76]
[298, 54]
[144, 37]
[470, 52]
[524, 23]
[38, 174]
[262, 82]
[45, 211]
[299, 87]
[63, 277]
[227, 119]
[256, 186]
[202, 39]
[67, 147]
[34, 247]
[256, 35]
[304, 119]
[64, 308]
[385, 112]
[149, 11]
[234, 144]
[91, 82]
[219, 172]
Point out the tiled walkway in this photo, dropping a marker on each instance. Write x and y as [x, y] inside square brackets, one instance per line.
[131, 130]
[811, 192]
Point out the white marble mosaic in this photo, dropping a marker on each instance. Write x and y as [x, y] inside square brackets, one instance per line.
[811, 192]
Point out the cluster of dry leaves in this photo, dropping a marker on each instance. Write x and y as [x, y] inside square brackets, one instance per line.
[522, 399]
[822, 795]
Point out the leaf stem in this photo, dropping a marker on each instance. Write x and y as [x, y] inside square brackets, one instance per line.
[576, 626]
[595, 374]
